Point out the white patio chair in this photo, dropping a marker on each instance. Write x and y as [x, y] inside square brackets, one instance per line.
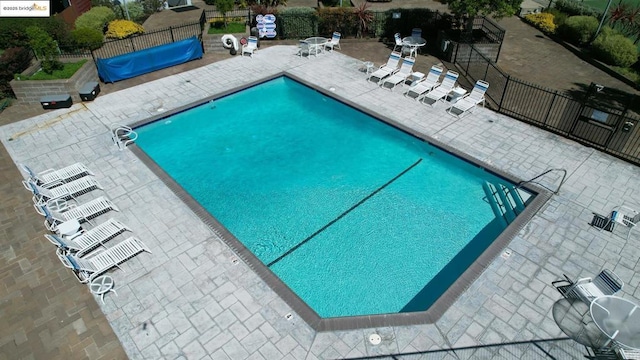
[334, 43]
[471, 100]
[50, 177]
[304, 48]
[625, 216]
[427, 84]
[587, 289]
[88, 268]
[66, 191]
[406, 69]
[387, 69]
[251, 46]
[82, 213]
[440, 92]
[88, 240]
[399, 45]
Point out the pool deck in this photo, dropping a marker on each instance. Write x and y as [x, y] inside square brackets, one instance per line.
[191, 299]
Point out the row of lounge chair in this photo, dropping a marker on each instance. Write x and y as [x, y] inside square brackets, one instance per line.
[78, 251]
[430, 89]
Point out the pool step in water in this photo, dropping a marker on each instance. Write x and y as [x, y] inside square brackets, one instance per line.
[505, 202]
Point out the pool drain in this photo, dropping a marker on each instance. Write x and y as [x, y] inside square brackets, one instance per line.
[375, 339]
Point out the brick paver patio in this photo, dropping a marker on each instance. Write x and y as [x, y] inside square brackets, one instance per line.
[190, 299]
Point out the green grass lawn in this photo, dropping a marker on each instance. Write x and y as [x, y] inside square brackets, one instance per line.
[232, 28]
[65, 73]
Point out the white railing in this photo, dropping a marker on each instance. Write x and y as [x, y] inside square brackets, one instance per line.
[122, 135]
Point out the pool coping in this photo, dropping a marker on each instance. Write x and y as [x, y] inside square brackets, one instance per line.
[435, 311]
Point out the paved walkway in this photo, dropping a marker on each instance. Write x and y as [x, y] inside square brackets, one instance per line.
[190, 299]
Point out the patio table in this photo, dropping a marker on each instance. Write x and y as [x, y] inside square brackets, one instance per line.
[569, 315]
[414, 43]
[316, 43]
[618, 319]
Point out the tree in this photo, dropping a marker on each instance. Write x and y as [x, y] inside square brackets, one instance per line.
[45, 48]
[224, 6]
[466, 10]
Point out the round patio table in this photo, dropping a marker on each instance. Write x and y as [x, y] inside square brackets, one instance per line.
[618, 319]
[569, 315]
[414, 43]
[316, 43]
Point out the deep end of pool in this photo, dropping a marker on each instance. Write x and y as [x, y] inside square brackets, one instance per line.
[435, 297]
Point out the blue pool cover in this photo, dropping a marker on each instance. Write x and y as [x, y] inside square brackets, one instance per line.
[144, 61]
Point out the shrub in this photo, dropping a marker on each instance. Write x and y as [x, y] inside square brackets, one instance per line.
[13, 30]
[13, 60]
[338, 19]
[579, 29]
[96, 18]
[542, 21]
[135, 9]
[558, 16]
[614, 49]
[45, 48]
[120, 29]
[298, 22]
[574, 8]
[152, 6]
[89, 39]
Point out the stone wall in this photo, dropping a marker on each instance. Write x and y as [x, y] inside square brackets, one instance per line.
[30, 91]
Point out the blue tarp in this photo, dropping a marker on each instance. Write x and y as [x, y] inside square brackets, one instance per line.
[144, 61]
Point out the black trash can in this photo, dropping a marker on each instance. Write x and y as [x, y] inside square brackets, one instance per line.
[89, 91]
[254, 32]
[56, 101]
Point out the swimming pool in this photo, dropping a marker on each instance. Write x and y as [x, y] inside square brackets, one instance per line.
[346, 210]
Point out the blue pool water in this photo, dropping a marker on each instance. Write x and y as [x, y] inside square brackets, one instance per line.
[355, 216]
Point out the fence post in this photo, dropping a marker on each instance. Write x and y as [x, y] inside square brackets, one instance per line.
[171, 32]
[133, 46]
[466, 71]
[553, 101]
[486, 71]
[504, 92]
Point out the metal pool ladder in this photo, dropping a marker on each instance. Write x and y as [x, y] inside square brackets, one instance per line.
[122, 135]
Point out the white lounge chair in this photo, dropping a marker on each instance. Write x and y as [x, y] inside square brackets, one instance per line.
[88, 268]
[50, 177]
[440, 92]
[429, 82]
[65, 191]
[406, 69]
[86, 241]
[82, 213]
[334, 43]
[471, 100]
[251, 46]
[387, 69]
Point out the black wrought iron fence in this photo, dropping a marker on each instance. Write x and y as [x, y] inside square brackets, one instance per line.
[590, 117]
[237, 15]
[147, 40]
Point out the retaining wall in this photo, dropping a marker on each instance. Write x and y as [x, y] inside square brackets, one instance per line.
[30, 91]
